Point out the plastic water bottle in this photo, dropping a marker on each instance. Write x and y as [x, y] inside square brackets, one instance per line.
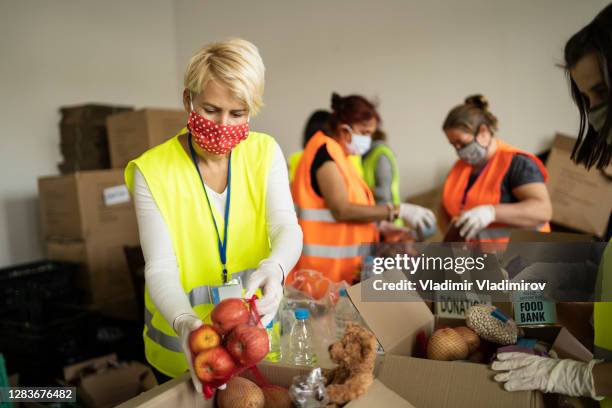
[345, 313]
[301, 351]
[274, 355]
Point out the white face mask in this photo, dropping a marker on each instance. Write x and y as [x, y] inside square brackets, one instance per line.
[597, 119]
[360, 144]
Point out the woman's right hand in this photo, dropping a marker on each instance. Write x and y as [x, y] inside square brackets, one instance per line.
[184, 325]
[417, 217]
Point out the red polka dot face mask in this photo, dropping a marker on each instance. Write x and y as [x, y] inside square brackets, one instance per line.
[215, 138]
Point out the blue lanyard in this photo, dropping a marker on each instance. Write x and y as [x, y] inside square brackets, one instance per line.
[222, 245]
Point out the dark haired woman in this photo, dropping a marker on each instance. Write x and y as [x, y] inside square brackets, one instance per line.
[335, 207]
[317, 122]
[588, 62]
[493, 186]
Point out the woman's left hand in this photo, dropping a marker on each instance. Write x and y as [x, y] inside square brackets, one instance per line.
[524, 372]
[269, 277]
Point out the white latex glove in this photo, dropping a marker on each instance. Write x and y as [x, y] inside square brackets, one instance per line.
[184, 325]
[472, 221]
[416, 216]
[269, 277]
[528, 372]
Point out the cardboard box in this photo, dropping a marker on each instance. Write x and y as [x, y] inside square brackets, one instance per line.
[130, 134]
[401, 380]
[428, 383]
[83, 136]
[83, 204]
[105, 275]
[179, 392]
[103, 382]
[124, 307]
[581, 199]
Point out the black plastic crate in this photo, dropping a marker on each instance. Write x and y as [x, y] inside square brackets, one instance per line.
[36, 283]
[38, 349]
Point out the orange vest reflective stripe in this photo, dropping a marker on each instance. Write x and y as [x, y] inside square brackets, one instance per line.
[485, 190]
[330, 247]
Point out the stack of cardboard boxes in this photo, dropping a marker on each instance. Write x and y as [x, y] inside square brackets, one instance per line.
[88, 216]
[83, 137]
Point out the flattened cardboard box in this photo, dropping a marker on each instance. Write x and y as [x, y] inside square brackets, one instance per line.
[581, 198]
[79, 205]
[130, 134]
[105, 274]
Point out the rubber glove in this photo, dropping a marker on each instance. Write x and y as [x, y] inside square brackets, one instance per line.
[472, 221]
[529, 372]
[416, 216]
[268, 276]
[184, 325]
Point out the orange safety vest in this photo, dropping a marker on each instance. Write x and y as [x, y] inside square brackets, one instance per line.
[330, 247]
[485, 190]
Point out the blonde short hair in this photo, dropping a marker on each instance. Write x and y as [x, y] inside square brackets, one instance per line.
[235, 63]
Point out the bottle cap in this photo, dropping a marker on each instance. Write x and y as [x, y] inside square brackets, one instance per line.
[301, 313]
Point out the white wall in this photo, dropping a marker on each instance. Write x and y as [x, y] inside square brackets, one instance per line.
[418, 58]
[65, 52]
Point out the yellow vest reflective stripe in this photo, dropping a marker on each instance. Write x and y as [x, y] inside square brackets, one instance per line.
[602, 315]
[177, 190]
[370, 161]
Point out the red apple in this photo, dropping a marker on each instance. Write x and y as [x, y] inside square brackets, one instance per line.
[248, 344]
[229, 313]
[213, 364]
[203, 338]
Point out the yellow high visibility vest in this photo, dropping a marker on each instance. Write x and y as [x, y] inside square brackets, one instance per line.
[292, 161]
[176, 187]
[370, 161]
[357, 162]
[602, 315]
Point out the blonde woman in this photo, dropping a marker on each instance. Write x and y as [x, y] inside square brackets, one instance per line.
[214, 208]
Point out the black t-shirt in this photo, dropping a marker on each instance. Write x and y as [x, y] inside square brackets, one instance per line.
[322, 156]
[522, 170]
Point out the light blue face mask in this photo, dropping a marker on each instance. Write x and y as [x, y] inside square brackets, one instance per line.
[360, 144]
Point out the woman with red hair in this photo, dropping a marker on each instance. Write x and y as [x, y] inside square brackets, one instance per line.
[335, 207]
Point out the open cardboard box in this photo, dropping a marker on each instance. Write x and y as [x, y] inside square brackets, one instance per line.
[401, 380]
[428, 383]
[179, 392]
[102, 382]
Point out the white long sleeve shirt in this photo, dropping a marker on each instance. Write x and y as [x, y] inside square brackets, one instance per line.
[161, 267]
